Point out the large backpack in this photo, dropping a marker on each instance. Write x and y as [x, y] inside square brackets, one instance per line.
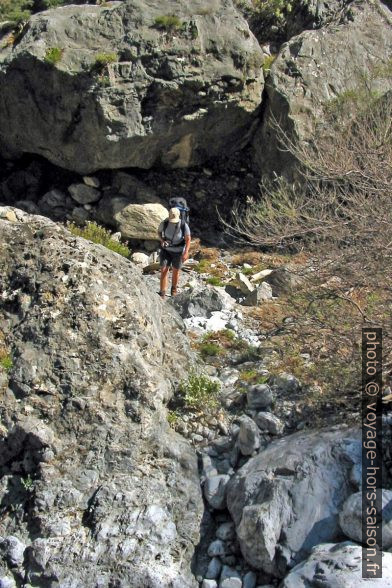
[182, 206]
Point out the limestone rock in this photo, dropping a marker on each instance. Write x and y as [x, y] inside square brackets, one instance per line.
[84, 194]
[248, 437]
[260, 294]
[269, 422]
[314, 68]
[127, 91]
[337, 565]
[259, 396]
[215, 491]
[202, 301]
[244, 283]
[350, 518]
[87, 452]
[287, 499]
[134, 221]
[91, 181]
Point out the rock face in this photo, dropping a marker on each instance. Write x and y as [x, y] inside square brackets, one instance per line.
[287, 499]
[314, 68]
[337, 565]
[129, 88]
[95, 489]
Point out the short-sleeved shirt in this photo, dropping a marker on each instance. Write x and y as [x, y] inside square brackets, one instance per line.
[174, 235]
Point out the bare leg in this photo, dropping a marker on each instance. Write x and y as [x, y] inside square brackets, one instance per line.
[164, 279]
[175, 278]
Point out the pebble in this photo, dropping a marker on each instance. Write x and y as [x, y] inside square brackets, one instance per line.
[209, 584]
[215, 491]
[226, 531]
[214, 569]
[216, 548]
[249, 580]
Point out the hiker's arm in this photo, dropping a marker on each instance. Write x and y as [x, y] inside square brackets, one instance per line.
[185, 255]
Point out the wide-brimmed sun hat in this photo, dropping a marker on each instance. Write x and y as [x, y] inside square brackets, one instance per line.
[174, 215]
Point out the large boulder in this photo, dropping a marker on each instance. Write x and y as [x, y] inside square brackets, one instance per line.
[351, 518]
[94, 485]
[130, 85]
[316, 67]
[287, 499]
[337, 565]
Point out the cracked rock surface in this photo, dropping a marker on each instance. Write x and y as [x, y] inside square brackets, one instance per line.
[90, 472]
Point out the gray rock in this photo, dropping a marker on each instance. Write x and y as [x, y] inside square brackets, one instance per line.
[214, 569]
[259, 295]
[350, 518]
[80, 215]
[7, 581]
[269, 422]
[13, 550]
[249, 580]
[286, 383]
[226, 531]
[230, 578]
[314, 68]
[287, 498]
[260, 396]
[28, 206]
[245, 285]
[216, 548]
[215, 491]
[84, 194]
[95, 359]
[209, 584]
[84, 116]
[248, 438]
[141, 259]
[337, 565]
[201, 301]
[91, 181]
[52, 199]
[230, 583]
[134, 220]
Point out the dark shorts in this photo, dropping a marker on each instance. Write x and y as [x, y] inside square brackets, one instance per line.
[168, 258]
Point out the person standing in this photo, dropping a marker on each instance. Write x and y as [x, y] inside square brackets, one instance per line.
[175, 237]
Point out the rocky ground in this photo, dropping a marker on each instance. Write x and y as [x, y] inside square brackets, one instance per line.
[90, 467]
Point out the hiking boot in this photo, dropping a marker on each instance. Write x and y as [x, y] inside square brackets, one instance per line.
[173, 291]
[162, 295]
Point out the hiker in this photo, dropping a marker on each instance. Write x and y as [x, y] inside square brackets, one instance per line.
[175, 237]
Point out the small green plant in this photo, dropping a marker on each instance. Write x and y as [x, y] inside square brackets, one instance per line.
[27, 483]
[6, 362]
[267, 63]
[97, 234]
[172, 418]
[215, 281]
[209, 349]
[102, 60]
[168, 22]
[53, 55]
[199, 392]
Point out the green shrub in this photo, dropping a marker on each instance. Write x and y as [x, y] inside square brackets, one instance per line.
[172, 418]
[15, 10]
[267, 63]
[6, 362]
[215, 281]
[207, 349]
[53, 55]
[168, 22]
[97, 234]
[199, 392]
[102, 60]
